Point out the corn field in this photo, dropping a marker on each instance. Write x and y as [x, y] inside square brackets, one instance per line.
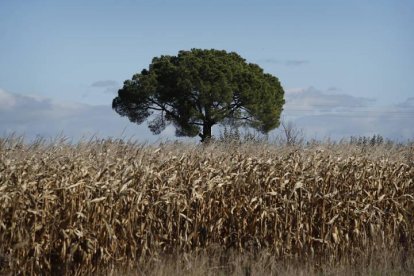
[86, 207]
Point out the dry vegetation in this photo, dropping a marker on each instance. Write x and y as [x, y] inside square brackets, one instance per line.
[224, 208]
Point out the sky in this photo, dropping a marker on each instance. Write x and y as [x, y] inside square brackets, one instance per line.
[346, 66]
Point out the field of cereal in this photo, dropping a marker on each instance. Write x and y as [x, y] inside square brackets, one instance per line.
[108, 204]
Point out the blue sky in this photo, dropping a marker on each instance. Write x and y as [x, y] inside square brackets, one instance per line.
[346, 66]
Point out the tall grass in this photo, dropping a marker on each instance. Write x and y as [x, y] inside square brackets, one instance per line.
[103, 205]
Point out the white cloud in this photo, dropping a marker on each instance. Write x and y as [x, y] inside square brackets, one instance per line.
[295, 62]
[104, 83]
[409, 103]
[311, 99]
[7, 101]
[287, 62]
[108, 86]
[324, 114]
[43, 117]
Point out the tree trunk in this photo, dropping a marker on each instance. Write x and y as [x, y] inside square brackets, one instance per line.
[206, 135]
[207, 124]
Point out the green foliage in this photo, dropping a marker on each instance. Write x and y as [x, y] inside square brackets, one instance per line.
[200, 88]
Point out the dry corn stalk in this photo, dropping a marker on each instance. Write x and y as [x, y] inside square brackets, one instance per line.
[103, 203]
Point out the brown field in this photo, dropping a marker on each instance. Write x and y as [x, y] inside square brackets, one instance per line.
[223, 209]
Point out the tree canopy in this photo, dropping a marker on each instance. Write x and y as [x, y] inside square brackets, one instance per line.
[200, 88]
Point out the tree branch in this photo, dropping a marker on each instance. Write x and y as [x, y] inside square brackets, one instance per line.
[196, 124]
[154, 108]
[162, 108]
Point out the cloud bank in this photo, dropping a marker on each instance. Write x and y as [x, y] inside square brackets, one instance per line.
[311, 99]
[32, 117]
[321, 114]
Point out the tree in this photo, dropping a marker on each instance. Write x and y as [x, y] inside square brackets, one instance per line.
[200, 88]
[293, 135]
